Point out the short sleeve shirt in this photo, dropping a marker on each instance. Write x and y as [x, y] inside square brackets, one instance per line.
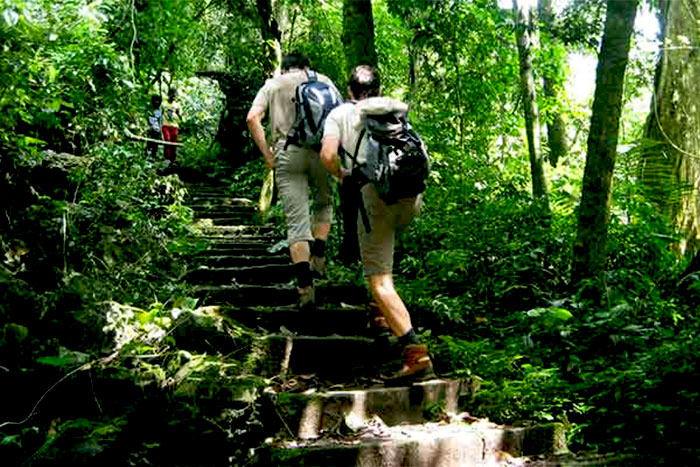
[345, 123]
[277, 96]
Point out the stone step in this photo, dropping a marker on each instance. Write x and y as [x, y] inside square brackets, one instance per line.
[313, 414]
[252, 245]
[340, 359]
[206, 190]
[209, 196]
[277, 295]
[229, 220]
[228, 261]
[432, 444]
[261, 239]
[241, 250]
[345, 319]
[263, 274]
[209, 228]
[224, 211]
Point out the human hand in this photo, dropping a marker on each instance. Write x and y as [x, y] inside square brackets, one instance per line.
[270, 159]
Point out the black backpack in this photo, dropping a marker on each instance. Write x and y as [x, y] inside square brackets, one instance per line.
[396, 162]
[314, 100]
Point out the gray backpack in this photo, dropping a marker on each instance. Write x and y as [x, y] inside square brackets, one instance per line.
[314, 100]
[396, 161]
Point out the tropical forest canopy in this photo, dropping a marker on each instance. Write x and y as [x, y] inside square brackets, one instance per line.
[554, 259]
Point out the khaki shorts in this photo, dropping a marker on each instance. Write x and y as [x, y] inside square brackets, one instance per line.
[377, 246]
[299, 169]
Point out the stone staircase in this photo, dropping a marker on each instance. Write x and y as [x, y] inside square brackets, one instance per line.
[331, 407]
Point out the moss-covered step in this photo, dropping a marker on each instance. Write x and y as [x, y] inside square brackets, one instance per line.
[431, 444]
[313, 414]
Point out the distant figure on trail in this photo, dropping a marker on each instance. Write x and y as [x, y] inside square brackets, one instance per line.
[171, 117]
[346, 132]
[291, 151]
[155, 124]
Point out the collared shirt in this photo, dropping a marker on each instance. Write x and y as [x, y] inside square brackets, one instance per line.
[278, 97]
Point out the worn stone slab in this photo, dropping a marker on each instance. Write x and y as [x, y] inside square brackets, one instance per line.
[241, 249]
[233, 211]
[242, 295]
[219, 200]
[314, 413]
[224, 209]
[263, 274]
[345, 320]
[335, 358]
[434, 445]
[267, 240]
[228, 261]
[230, 220]
[207, 227]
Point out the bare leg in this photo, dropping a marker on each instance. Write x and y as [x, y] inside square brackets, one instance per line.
[299, 251]
[390, 304]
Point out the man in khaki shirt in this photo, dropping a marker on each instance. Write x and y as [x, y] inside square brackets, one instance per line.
[343, 128]
[298, 170]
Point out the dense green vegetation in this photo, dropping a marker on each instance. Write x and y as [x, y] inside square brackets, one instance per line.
[99, 357]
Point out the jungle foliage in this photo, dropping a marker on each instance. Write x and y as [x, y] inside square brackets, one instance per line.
[100, 359]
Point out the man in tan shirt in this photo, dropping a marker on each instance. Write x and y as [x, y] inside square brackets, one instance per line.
[298, 170]
[343, 129]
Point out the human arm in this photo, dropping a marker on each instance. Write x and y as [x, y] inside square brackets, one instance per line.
[330, 157]
[257, 131]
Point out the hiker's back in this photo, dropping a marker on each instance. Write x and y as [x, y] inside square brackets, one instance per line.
[314, 99]
[387, 152]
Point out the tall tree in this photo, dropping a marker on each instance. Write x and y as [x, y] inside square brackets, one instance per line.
[594, 210]
[557, 140]
[358, 34]
[671, 170]
[270, 34]
[524, 34]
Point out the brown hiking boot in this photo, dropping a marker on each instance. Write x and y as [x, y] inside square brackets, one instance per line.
[416, 366]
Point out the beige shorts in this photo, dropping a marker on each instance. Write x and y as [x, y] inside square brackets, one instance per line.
[299, 169]
[377, 246]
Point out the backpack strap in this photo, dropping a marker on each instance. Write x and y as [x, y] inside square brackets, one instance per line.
[311, 76]
[353, 156]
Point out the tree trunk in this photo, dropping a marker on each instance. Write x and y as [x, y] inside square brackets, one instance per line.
[524, 27]
[671, 170]
[358, 34]
[556, 125]
[271, 36]
[594, 210]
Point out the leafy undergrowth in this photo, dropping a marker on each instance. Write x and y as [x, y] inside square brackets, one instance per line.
[485, 275]
[107, 364]
[101, 362]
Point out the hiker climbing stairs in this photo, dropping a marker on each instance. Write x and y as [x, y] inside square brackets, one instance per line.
[331, 407]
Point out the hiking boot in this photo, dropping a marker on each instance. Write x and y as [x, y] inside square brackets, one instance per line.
[307, 298]
[416, 366]
[318, 267]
